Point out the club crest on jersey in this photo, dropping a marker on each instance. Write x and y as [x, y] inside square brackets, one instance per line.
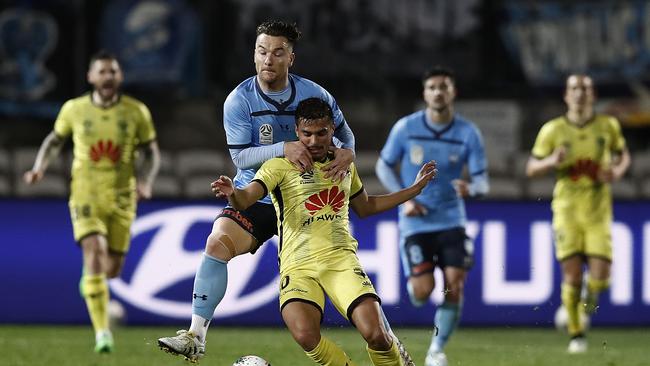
[266, 134]
[416, 154]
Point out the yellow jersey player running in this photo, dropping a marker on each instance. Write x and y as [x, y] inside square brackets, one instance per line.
[587, 152]
[317, 253]
[106, 128]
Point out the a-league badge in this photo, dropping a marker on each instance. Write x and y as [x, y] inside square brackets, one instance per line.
[266, 134]
[417, 154]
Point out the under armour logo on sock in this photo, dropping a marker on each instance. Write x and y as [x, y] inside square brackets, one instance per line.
[202, 297]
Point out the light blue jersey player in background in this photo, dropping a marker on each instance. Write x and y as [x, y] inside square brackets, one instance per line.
[432, 226]
[259, 119]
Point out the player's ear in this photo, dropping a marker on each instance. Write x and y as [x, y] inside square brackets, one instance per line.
[292, 57]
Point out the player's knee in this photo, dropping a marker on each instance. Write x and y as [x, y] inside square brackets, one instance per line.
[422, 292]
[378, 339]
[221, 246]
[307, 338]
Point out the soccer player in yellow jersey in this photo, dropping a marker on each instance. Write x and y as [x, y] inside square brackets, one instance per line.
[587, 152]
[317, 253]
[106, 128]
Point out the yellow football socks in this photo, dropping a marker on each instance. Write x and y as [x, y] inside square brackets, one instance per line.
[571, 301]
[329, 354]
[385, 358]
[594, 288]
[95, 292]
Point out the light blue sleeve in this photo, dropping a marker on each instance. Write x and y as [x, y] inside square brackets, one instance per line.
[388, 176]
[254, 157]
[238, 126]
[344, 136]
[393, 149]
[477, 165]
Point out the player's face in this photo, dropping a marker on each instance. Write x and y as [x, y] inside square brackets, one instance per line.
[273, 57]
[106, 78]
[316, 134]
[439, 92]
[579, 92]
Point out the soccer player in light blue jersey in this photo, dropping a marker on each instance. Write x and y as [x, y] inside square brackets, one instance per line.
[432, 226]
[259, 119]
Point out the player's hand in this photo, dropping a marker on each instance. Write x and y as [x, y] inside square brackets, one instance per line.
[32, 176]
[298, 155]
[413, 208]
[223, 187]
[426, 173]
[558, 155]
[606, 175]
[461, 187]
[338, 168]
[143, 190]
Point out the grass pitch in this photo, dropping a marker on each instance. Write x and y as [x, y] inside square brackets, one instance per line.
[71, 346]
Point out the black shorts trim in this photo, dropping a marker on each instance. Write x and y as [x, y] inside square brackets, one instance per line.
[584, 257]
[90, 233]
[306, 302]
[358, 301]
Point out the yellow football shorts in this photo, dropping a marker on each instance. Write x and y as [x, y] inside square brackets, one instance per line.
[340, 277]
[591, 239]
[100, 214]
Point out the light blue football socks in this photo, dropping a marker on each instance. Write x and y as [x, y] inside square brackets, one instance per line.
[209, 286]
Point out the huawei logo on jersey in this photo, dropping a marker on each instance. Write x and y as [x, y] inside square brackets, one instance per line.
[332, 197]
[105, 149]
[586, 167]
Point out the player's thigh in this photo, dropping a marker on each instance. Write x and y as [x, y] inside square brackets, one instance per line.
[119, 223]
[599, 268]
[87, 217]
[598, 241]
[300, 285]
[259, 221]
[301, 317]
[345, 282]
[572, 269]
[228, 239]
[568, 237]
[418, 254]
[367, 318]
[455, 249]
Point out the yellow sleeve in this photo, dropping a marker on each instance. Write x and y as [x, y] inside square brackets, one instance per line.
[270, 174]
[63, 123]
[146, 131]
[355, 185]
[618, 141]
[545, 142]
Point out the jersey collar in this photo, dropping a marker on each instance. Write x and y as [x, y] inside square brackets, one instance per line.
[279, 106]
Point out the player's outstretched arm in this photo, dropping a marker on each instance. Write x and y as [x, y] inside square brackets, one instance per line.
[364, 205]
[49, 149]
[149, 169]
[239, 199]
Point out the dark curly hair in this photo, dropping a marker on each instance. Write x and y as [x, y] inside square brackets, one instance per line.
[313, 108]
[102, 55]
[439, 70]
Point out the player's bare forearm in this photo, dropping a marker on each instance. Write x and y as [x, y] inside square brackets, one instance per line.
[49, 149]
[621, 164]
[239, 199]
[150, 164]
[365, 205]
[536, 167]
[371, 205]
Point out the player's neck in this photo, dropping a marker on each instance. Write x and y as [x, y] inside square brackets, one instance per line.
[440, 116]
[276, 86]
[579, 117]
[104, 103]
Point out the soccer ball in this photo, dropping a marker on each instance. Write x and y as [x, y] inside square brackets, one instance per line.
[561, 319]
[116, 313]
[251, 361]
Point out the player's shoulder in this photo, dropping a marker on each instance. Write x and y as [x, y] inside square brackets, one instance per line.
[242, 91]
[80, 101]
[277, 163]
[311, 87]
[411, 120]
[463, 122]
[131, 102]
[606, 119]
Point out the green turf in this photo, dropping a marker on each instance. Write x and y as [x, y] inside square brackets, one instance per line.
[70, 346]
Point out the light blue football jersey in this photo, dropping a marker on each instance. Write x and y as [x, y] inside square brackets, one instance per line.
[412, 142]
[252, 119]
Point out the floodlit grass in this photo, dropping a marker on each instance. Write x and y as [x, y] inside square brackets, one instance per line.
[69, 346]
